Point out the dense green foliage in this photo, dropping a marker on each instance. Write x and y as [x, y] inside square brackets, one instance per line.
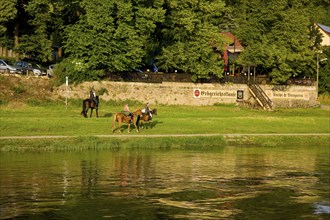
[99, 36]
[279, 37]
[324, 74]
[191, 41]
[112, 36]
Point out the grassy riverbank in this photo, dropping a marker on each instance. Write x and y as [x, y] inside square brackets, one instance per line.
[55, 119]
[29, 108]
[164, 143]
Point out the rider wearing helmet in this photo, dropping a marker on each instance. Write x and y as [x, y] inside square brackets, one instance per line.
[147, 110]
[92, 96]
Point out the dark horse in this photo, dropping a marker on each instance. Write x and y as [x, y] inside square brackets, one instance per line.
[89, 104]
[146, 118]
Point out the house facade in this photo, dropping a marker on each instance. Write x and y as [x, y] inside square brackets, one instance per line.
[231, 53]
[325, 31]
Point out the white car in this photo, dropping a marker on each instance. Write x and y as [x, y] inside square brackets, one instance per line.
[5, 67]
[50, 70]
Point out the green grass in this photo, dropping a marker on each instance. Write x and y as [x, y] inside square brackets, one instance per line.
[162, 143]
[54, 119]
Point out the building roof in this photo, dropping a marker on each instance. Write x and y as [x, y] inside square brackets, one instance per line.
[235, 46]
[324, 28]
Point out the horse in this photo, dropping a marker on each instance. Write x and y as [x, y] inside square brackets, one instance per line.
[146, 118]
[123, 118]
[89, 104]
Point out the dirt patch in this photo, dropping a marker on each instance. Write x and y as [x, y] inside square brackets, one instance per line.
[17, 88]
[326, 107]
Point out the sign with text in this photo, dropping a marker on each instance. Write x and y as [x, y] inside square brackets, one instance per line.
[199, 93]
[287, 95]
[240, 94]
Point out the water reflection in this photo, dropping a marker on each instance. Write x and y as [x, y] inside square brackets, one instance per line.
[228, 183]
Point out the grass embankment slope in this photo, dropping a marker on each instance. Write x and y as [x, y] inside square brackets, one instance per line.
[28, 108]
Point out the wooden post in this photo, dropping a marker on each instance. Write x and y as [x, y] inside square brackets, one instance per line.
[66, 91]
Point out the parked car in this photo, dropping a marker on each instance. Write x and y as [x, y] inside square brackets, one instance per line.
[6, 68]
[25, 68]
[50, 70]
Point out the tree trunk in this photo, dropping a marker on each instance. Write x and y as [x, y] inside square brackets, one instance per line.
[16, 40]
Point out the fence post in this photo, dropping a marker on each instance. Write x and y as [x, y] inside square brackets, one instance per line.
[66, 91]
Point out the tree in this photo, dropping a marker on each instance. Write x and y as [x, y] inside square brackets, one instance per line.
[324, 74]
[36, 41]
[277, 37]
[191, 40]
[111, 35]
[7, 17]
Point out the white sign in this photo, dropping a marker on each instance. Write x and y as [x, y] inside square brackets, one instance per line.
[287, 95]
[199, 93]
[66, 90]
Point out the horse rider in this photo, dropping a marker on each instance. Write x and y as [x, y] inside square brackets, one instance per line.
[92, 96]
[147, 111]
[127, 112]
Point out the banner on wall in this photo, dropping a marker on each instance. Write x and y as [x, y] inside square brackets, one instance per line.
[199, 93]
[287, 95]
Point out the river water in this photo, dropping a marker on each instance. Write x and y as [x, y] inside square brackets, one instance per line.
[242, 182]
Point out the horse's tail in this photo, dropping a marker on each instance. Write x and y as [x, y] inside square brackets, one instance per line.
[154, 111]
[83, 112]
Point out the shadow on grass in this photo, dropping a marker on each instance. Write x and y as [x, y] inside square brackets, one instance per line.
[107, 115]
[153, 124]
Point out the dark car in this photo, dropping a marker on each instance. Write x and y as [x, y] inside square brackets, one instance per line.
[27, 68]
[5, 67]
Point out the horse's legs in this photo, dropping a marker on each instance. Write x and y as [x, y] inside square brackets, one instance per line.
[136, 126]
[114, 124]
[119, 126]
[91, 113]
[83, 113]
[113, 127]
[129, 127]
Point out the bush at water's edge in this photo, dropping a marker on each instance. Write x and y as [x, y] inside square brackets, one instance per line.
[165, 143]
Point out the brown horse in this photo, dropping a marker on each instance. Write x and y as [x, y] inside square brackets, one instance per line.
[123, 118]
[146, 118]
[89, 104]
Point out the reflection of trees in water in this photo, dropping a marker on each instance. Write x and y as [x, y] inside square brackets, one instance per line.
[32, 184]
[131, 168]
[89, 176]
[118, 170]
[219, 183]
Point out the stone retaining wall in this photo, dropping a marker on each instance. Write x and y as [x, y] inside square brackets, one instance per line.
[170, 93]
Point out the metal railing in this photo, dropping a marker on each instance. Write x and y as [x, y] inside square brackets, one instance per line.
[150, 77]
[260, 96]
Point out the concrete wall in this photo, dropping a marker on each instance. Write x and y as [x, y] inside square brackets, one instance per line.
[191, 94]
